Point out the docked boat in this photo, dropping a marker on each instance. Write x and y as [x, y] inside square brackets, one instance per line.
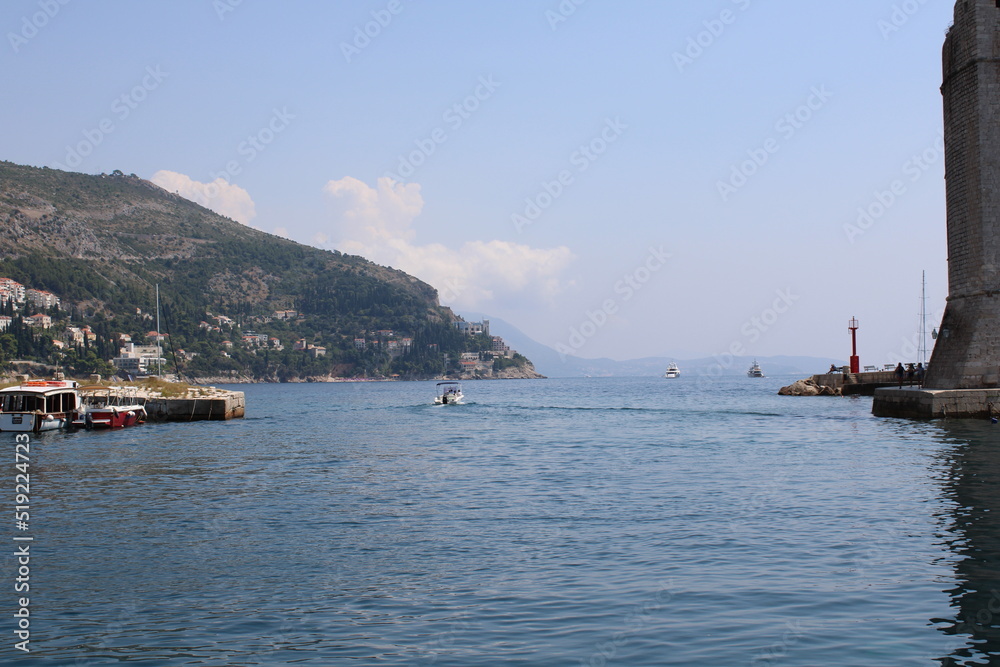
[672, 371]
[449, 393]
[755, 371]
[39, 405]
[106, 407]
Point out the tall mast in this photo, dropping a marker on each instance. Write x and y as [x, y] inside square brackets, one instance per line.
[159, 353]
[923, 320]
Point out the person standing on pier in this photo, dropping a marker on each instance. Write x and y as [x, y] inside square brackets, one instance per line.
[900, 373]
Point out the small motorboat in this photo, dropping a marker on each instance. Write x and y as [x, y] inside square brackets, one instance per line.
[672, 371]
[107, 407]
[449, 393]
[38, 405]
[755, 371]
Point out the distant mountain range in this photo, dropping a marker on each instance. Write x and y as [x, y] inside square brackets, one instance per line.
[550, 363]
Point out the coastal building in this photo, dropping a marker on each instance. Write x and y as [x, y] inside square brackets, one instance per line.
[473, 328]
[967, 353]
[500, 348]
[5, 322]
[315, 350]
[79, 335]
[12, 289]
[39, 321]
[360, 343]
[138, 359]
[42, 299]
[127, 365]
[255, 339]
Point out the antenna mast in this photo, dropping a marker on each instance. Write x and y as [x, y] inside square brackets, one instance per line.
[923, 320]
[159, 352]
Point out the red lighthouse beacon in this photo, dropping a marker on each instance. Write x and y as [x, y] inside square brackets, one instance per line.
[855, 361]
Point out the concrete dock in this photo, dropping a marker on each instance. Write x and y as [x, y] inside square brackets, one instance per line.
[232, 405]
[171, 402]
[912, 403]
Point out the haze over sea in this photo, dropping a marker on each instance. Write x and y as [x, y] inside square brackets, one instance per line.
[635, 521]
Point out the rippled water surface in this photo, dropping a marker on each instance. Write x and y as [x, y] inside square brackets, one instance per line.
[561, 522]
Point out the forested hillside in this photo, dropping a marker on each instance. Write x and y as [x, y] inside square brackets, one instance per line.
[103, 243]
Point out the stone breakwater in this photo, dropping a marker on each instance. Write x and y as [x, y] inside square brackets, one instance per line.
[845, 384]
[809, 387]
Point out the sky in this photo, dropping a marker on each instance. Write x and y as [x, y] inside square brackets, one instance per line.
[617, 179]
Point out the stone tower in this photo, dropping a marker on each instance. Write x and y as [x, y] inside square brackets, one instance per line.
[967, 354]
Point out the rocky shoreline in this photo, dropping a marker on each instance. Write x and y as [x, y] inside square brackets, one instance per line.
[809, 387]
[507, 374]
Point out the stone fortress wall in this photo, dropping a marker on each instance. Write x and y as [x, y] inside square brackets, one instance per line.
[967, 353]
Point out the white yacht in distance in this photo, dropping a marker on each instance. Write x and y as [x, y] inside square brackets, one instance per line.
[755, 371]
[672, 371]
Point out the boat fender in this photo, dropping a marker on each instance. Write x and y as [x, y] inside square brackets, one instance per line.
[88, 421]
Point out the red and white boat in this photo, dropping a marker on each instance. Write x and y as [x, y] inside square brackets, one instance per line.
[107, 407]
[39, 405]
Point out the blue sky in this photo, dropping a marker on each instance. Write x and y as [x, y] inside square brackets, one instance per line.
[620, 179]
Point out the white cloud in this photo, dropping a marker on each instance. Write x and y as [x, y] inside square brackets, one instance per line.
[220, 196]
[377, 223]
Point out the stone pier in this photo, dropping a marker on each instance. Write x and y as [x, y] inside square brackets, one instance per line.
[231, 405]
[937, 403]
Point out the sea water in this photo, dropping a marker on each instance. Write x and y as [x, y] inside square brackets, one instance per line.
[570, 522]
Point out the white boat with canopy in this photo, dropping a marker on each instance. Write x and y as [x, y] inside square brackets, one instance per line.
[39, 405]
[449, 393]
